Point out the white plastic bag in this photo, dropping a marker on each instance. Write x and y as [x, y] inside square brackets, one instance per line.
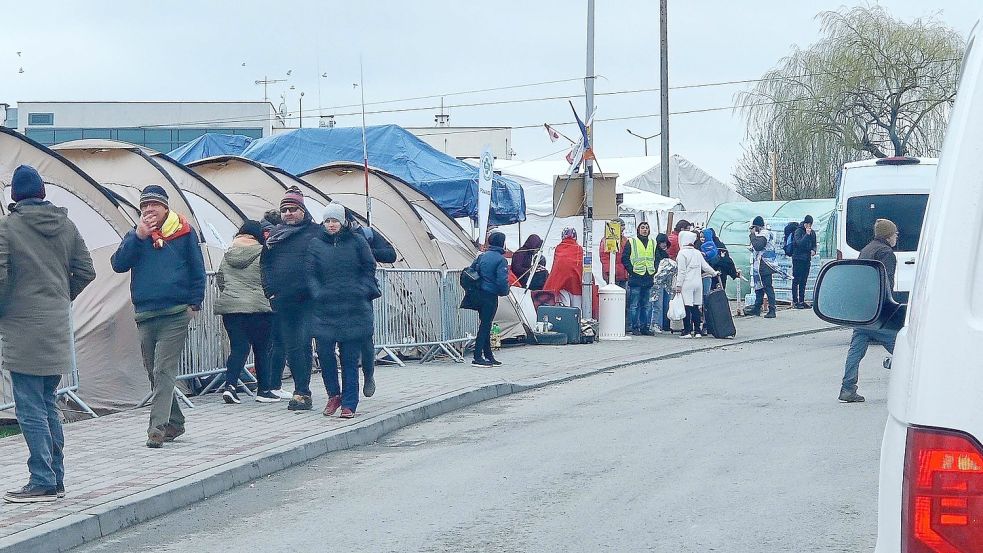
[677, 309]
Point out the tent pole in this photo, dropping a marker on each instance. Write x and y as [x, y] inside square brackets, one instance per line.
[365, 149]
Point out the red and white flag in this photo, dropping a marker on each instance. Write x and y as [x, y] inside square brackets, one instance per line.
[554, 135]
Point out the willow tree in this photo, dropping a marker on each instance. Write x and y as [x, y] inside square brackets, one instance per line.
[872, 86]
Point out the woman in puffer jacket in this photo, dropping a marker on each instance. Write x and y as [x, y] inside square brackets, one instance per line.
[246, 313]
[689, 282]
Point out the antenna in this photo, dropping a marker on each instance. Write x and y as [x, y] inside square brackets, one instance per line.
[365, 149]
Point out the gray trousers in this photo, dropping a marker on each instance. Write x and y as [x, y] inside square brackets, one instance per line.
[162, 342]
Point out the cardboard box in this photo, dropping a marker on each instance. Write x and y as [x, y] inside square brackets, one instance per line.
[573, 200]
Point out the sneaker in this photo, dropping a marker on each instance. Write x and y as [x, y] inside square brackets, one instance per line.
[300, 403]
[31, 494]
[494, 362]
[697, 335]
[60, 490]
[368, 387]
[770, 314]
[481, 363]
[230, 396]
[281, 394]
[805, 305]
[347, 413]
[686, 336]
[334, 402]
[647, 332]
[155, 438]
[851, 397]
[266, 397]
[172, 431]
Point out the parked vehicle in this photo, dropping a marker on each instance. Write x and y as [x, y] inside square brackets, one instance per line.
[931, 468]
[894, 188]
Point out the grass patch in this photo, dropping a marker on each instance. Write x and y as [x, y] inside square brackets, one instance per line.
[7, 430]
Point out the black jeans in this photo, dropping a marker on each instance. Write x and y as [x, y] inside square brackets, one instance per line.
[278, 356]
[800, 275]
[248, 330]
[767, 288]
[487, 307]
[294, 319]
[693, 321]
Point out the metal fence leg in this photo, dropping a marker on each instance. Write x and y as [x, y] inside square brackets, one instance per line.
[78, 401]
[183, 398]
[392, 356]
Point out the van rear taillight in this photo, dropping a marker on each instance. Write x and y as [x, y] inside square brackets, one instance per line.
[943, 492]
[898, 160]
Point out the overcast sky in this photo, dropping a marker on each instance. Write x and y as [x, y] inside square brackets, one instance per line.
[183, 50]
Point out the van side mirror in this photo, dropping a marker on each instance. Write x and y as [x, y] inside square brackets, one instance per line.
[853, 293]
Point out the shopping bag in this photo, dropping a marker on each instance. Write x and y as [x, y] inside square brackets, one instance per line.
[677, 309]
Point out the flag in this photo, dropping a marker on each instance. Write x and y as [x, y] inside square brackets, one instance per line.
[584, 133]
[575, 156]
[554, 136]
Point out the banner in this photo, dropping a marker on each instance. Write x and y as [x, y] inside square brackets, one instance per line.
[486, 171]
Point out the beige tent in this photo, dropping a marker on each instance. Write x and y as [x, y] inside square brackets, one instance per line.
[125, 169]
[107, 347]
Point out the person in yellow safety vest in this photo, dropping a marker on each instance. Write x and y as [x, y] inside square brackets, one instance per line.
[639, 260]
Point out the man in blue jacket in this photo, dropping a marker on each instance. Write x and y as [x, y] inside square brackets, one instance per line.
[284, 283]
[167, 285]
[803, 248]
[493, 271]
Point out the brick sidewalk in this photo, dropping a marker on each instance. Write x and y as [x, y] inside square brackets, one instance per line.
[114, 481]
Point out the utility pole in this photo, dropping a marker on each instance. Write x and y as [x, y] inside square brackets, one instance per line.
[301, 119]
[587, 301]
[664, 90]
[773, 158]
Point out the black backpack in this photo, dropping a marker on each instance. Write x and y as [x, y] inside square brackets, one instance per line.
[470, 278]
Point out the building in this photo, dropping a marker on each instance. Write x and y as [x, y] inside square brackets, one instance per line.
[161, 126]
[467, 142]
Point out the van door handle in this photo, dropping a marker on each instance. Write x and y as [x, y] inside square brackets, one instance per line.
[910, 262]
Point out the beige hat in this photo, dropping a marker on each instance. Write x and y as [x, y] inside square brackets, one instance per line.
[884, 228]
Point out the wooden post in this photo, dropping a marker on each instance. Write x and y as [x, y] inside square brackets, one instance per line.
[774, 175]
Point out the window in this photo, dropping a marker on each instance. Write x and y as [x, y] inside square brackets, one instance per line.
[97, 133]
[64, 135]
[905, 210]
[40, 118]
[133, 136]
[44, 137]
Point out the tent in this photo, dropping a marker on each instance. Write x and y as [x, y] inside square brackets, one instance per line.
[451, 183]
[211, 145]
[732, 220]
[423, 234]
[126, 169]
[107, 346]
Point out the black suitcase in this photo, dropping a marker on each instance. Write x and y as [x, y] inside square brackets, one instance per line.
[716, 310]
[565, 320]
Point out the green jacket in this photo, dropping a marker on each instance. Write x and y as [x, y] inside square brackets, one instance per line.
[44, 265]
[240, 279]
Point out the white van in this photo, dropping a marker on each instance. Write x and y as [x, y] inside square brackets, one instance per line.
[894, 188]
[931, 469]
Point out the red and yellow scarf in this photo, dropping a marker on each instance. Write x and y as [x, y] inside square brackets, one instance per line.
[175, 226]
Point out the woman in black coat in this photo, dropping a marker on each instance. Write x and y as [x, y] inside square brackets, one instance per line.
[340, 274]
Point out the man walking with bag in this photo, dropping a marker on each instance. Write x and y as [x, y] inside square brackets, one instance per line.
[167, 285]
[44, 266]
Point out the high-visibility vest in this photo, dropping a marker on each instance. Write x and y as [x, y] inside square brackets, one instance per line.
[642, 257]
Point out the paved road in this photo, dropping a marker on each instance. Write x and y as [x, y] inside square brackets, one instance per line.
[739, 449]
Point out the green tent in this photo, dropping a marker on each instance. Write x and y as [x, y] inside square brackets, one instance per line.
[732, 220]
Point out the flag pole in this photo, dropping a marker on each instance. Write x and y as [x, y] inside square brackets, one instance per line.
[365, 149]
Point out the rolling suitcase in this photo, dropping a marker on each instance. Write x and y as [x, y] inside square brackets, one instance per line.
[716, 310]
[565, 320]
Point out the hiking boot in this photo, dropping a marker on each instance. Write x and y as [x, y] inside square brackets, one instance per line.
[60, 489]
[770, 314]
[300, 403]
[850, 397]
[334, 402]
[230, 396]
[266, 397]
[347, 413]
[368, 387]
[172, 431]
[155, 438]
[31, 493]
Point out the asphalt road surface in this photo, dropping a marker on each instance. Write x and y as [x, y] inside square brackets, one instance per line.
[736, 450]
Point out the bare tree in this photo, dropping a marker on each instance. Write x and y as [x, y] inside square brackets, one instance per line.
[872, 86]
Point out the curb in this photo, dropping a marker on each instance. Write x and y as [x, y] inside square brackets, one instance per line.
[100, 521]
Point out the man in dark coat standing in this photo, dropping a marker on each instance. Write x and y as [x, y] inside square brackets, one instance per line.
[167, 286]
[803, 249]
[284, 284]
[881, 248]
[44, 266]
[383, 252]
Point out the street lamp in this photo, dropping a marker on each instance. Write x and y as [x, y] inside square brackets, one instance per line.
[301, 109]
[645, 139]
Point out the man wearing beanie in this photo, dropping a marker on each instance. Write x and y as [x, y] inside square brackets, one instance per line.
[167, 285]
[881, 248]
[762, 270]
[44, 265]
[285, 285]
[493, 282]
[803, 248]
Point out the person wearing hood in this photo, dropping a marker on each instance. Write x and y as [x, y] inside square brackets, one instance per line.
[340, 277]
[246, 313]
[282, 263]
[639, 260]
[167, 285]
[674, 245]
[522, 259]
[762, 270]
[566, 277]
[44, 266]
[803, 248]
[493, 283]
[689, 282]
[665, 273]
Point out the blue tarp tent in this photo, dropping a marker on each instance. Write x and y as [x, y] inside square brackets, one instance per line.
[210, 145]
[451, 183]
